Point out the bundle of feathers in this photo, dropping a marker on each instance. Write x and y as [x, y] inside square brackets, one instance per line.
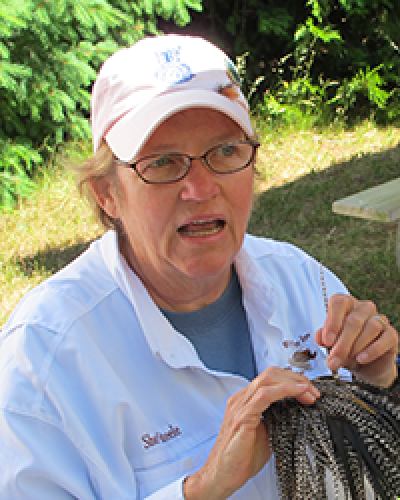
[348, 441]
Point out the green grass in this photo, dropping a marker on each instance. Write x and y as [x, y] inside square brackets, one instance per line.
[301, 173]
[41, 236]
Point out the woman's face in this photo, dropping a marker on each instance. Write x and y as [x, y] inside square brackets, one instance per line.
[188, 231]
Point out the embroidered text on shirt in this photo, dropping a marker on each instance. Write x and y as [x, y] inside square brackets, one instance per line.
[293, 343]
[160, 437]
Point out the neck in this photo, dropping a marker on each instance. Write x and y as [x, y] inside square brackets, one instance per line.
[175, 291]
[191, 294]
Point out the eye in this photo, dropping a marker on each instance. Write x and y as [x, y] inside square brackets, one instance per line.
[162, 168]
[226, 150]
[161, 161]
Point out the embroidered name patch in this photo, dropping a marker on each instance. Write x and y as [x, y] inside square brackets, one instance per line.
[150, 440]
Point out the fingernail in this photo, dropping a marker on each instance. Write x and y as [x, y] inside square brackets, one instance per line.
[301, 386]
[334, 363]
[362, 357]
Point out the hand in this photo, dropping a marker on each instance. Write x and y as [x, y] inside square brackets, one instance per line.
[360, 339]
[242, 447]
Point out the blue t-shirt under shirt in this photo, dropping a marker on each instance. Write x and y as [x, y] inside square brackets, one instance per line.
[220, 332]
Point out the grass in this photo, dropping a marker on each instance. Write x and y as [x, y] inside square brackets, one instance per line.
[301, 173]
[41, 236]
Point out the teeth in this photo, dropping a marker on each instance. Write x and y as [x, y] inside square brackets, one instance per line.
[202, 221]
[203, 233]
[202, 227]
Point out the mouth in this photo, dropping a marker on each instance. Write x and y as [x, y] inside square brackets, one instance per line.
[202, 227]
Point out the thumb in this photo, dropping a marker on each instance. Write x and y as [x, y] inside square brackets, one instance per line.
[318, 337]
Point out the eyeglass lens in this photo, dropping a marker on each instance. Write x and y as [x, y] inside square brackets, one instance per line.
[170, 167]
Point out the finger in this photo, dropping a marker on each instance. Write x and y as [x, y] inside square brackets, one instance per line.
[339, 306]
[318, 337]
[380, 372]
[274, 375]
[309, 396]
[373, 329]
[272, 385]
[265, 396]
[352, 328]
[382, 320]
[386, 342]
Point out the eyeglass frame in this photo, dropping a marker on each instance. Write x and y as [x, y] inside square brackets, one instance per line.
[255, 145]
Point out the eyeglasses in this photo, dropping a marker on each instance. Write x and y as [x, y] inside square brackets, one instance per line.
[166, 168]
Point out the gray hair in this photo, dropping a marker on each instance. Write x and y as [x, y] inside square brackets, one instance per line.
[100, 165]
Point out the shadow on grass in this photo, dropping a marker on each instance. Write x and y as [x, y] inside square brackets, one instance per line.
[303, 207]
[51, 259]
[360, 252]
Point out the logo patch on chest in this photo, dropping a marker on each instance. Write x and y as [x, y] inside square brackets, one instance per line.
[301, 353]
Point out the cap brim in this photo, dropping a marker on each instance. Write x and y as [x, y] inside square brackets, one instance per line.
[129, 134]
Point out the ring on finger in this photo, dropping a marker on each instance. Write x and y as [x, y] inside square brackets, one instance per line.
[381, 320]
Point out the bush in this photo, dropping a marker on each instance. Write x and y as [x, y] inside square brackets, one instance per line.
[50, 51]
[323, 59]
[338, 94]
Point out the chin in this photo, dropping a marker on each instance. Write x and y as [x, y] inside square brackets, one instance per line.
[208, 268]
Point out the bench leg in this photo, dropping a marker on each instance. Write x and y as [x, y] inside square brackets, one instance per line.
[398, 246]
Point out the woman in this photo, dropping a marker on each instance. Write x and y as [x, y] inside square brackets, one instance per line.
[142, 369]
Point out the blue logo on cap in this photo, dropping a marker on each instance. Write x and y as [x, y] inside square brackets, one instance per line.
[172, 70]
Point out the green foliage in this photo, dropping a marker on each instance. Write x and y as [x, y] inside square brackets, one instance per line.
[16, 161]
[251, 86]
[50, 52]
[319, 60]
[365, 92]
[323, 59]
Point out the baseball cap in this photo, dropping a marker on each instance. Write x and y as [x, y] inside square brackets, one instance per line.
[139, 87]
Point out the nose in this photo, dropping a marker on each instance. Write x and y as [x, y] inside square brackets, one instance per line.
[200, 183]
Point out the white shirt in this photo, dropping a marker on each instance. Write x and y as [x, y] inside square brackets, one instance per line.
[100, 398]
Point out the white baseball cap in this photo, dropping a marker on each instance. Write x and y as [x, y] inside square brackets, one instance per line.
[139, 87]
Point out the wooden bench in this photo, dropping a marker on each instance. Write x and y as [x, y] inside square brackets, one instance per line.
[380, 203]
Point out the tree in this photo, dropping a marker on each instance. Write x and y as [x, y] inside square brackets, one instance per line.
[339, 55]
[50, 51]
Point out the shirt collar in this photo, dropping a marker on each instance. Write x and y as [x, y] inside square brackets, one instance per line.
[259, 300]
[170, 345]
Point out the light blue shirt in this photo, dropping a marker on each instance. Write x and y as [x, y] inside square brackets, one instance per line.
[101, 398]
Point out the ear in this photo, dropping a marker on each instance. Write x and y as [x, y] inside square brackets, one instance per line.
[104, 192]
